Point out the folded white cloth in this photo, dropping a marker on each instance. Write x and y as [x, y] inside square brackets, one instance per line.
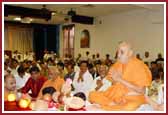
[145, 107]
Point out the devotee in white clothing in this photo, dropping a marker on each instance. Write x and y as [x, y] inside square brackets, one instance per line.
[21, 77]
[82, 79]
[101, 83]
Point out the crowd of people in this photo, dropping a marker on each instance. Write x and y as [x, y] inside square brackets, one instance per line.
[113, 84]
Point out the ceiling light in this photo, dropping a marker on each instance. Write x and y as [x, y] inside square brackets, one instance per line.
[88, 6]
[53, 13]
[26, 20]
[17, 19]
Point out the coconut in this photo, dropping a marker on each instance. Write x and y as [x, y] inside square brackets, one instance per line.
[40, 105]
[32, 104]
[74, 102]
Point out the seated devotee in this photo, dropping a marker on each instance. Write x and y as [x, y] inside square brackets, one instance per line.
[97, 66]
[56, 59]
[65, 62]
[78, 58]
[108, 61]
[156, 82]
[154, 69]
[14, 66]
[92, 71]
[76, 67]
[87, 56]
[44, 69]
[46, 55]
[47, 93]
[101, 83]
[27, 65]
[6, 69]
[161, 74]
[15, 54]
[70, 57]
[160, 64]
[129, 76]
[9, 86]
[31, 56]
[71, 72]
[21, 77]
[83, 79]
[49, 90]
[93, 59]
[25, 56]
[19, 58]
[50, 62]
[35, 63]
[52, 55]
[60, 67]
[147, 60]
[138, 56]
[66, 57]
[97, 57]
[160, 58]
[55, 80]
[157, 104]
[34, 83]
[154, 88]
[6, 56]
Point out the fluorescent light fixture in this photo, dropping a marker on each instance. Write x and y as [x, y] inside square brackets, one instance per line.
[53, 13]
[17, 19]
[26, 20]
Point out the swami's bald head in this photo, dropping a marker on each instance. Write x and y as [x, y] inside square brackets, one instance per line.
[124, 52]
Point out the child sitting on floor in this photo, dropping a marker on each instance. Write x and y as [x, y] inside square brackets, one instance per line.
[9, 86]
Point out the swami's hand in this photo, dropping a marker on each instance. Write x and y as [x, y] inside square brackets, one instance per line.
[116, 75]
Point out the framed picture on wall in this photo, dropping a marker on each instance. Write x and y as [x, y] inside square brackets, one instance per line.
[85, 39]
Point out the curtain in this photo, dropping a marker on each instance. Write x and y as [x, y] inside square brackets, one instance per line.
[45, 37]
[18, 38]
[68, 40]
